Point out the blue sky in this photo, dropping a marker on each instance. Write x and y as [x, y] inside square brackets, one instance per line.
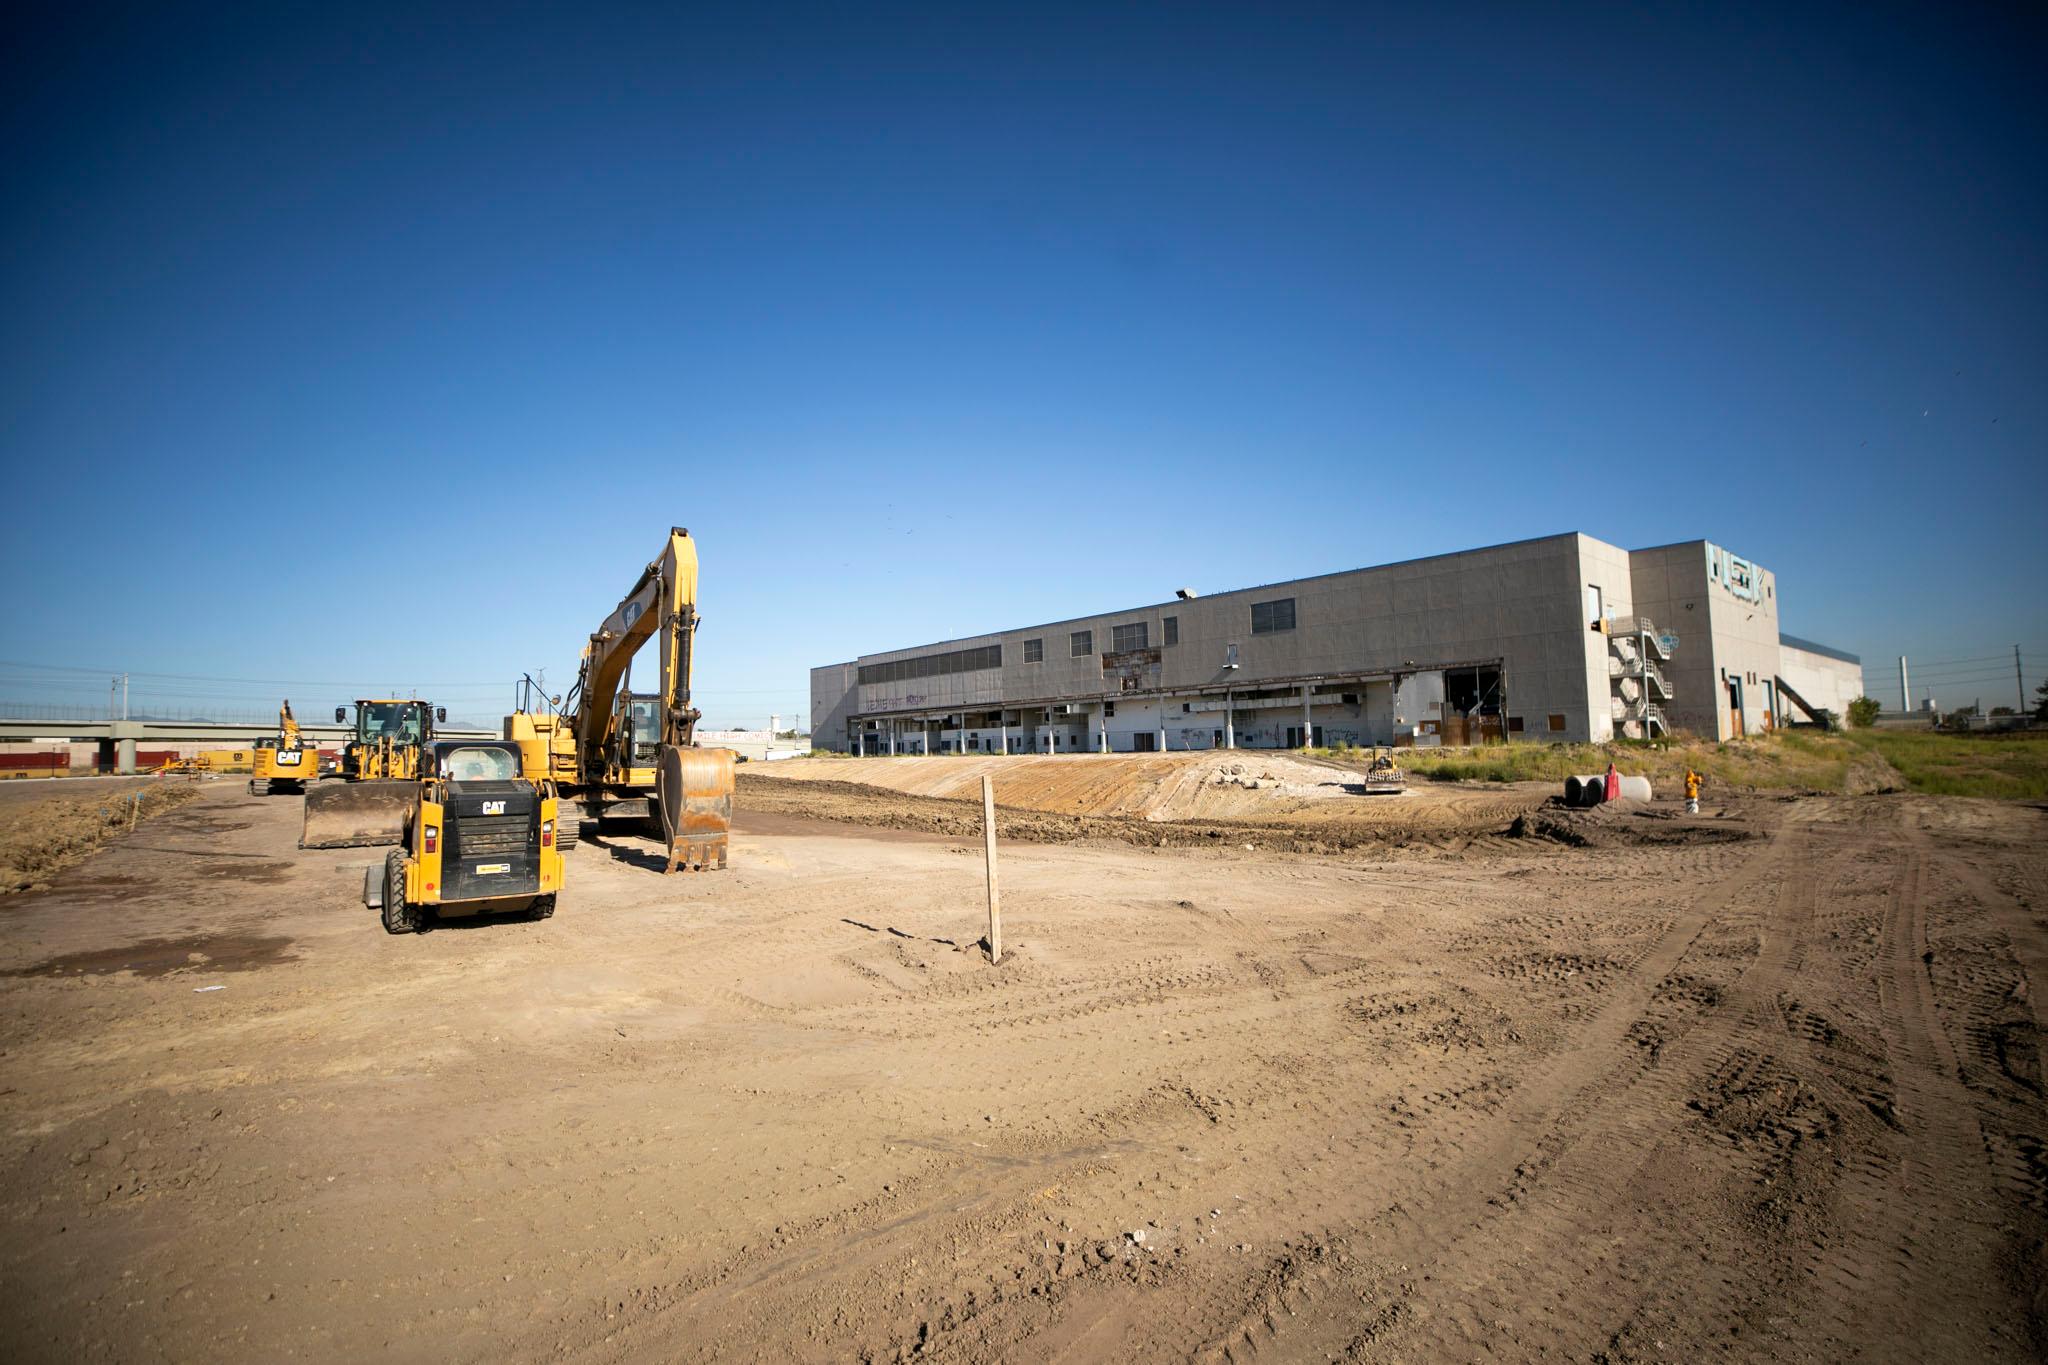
[365, 352]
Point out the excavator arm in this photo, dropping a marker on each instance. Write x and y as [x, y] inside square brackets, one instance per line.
[662, 606]
[693, 787]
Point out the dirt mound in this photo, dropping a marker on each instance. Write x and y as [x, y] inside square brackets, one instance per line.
[40, 839]
[1379, 826]
[1218, 784]
[1624, 825]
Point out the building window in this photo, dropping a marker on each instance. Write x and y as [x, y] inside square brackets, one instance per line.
[1556, 723]
[1172, 630]
[1081, 642]
[1108, 709]
[1123, 638]
[932, 665]
[1268, 617]
[1034, 651]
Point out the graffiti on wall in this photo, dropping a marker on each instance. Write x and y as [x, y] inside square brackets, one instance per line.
[1736, 574]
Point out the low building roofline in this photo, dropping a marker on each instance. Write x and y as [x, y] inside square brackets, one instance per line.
[1226, 592]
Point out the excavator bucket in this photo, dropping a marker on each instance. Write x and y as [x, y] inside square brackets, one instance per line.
[358, 814]
[693, 788]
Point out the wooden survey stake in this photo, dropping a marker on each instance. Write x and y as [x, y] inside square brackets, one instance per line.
[995, 900]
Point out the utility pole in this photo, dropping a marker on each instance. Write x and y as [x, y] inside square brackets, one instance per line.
[2019, 677]
[1905, 692]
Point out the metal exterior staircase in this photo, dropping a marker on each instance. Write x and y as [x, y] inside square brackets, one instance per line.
[1635, 647]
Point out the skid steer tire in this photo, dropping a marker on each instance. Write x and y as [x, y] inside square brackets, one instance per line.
[399, 918]
[543, 907]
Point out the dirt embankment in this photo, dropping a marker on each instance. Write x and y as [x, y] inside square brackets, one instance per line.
[1420, 822]
[38, 839]
[1208, 785]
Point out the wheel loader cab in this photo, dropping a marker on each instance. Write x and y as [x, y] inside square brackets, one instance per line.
[480, 840]
[388, 736]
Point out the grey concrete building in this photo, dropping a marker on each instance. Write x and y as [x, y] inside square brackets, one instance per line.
[1819, 677]
[1559, 638]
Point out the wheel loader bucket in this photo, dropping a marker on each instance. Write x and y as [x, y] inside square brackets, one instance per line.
[693, 788]
[358, 814]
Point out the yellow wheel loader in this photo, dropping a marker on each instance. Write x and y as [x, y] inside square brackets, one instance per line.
[380, 768]
[616, 751]
[479, 839]
[283, 763]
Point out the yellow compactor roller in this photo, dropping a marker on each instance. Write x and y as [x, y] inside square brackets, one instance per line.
[380, 773]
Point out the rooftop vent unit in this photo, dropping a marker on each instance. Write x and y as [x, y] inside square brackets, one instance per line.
[1186, 594]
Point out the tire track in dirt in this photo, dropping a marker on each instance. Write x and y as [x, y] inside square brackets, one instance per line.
[1909, 1253]
[1586, 1103]
[1905, 1239]
[1536, 1245]
[1936, 1260]
[1729, 1052]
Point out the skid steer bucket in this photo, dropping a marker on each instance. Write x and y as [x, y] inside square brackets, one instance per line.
[693, 788]
[358, 814]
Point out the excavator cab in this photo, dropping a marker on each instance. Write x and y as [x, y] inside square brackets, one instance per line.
[479, 839]
[639, 739]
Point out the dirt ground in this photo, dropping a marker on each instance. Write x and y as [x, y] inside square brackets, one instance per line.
[47, 826]
[1633, 1086]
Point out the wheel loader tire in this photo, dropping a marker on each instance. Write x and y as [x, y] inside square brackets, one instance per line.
[399, 918]
[568, 826]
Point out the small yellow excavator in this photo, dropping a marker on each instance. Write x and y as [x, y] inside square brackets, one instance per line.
[283, 763]
[619, 752]
[380, 771]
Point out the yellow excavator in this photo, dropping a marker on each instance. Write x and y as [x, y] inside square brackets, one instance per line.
[380, 771]
[619, 752]
[283, 763]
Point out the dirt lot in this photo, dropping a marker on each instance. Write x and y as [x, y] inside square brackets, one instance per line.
[1630, 1087]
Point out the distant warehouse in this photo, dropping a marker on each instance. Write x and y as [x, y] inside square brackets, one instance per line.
[1560, 638]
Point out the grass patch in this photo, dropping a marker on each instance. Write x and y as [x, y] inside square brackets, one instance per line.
[1786, 761]
[2007, 767]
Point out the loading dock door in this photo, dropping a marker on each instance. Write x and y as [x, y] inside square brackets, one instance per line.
[1144, 742]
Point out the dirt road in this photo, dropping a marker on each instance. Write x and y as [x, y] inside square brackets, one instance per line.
[1668, 1095]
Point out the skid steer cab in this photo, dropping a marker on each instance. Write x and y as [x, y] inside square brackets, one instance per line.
[480, 839]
